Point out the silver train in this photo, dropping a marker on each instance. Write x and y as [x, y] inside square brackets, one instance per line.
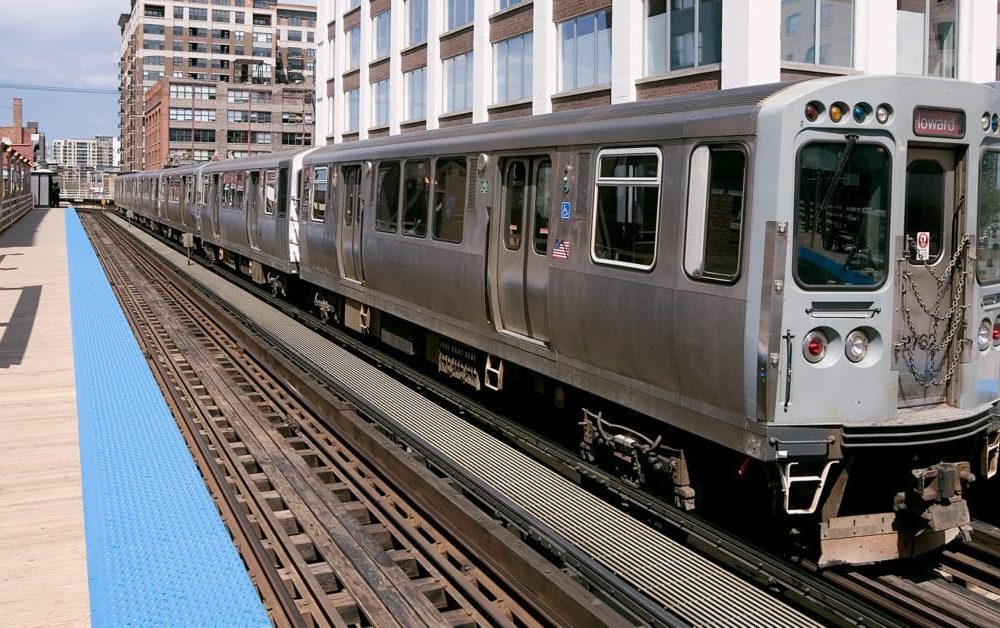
[801, 279]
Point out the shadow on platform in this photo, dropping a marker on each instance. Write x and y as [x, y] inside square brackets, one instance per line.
[17, 330]
[22, 232]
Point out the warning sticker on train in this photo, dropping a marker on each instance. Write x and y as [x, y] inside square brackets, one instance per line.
[560, 250]
[564, 211]
[923, 246]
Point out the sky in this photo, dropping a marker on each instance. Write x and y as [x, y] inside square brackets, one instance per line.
[69, 44]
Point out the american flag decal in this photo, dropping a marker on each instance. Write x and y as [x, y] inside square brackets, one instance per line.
[560, 250]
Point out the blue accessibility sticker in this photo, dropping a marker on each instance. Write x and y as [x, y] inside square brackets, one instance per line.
[564, 212]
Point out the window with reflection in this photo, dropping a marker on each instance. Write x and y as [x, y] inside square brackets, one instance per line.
[628, 190]
[926, 37]
[319, 187]
[543, 201]
[714, 230]
[387, 200]
[818, 32]
[416, 189]
[449, 199]
[988, 220]
[842, 215]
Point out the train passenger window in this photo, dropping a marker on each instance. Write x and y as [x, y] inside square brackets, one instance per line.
[449, 199]
[282, 183]
[713, 237]
[416, 184]
[988, 220]
[318, 211]
[270, 191]
[387, 199]
[543, 201]
[175, 189]
[841, 236]
[625, 215]
[515, 185]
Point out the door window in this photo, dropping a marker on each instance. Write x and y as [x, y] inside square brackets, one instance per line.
[924, 206]
[543, 201]
[318, 212]
[515, 197]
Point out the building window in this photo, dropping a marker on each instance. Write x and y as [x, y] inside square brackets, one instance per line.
[415, 87]
[353, 48]
[585, 46]
[513, 68]
[381, 26]
[198, 14]
[238, 137]
[351, 110]
[682, 48]
[416, 21]
[380, 103]
[460, 13]
[506, 4]
[261, 137]
[937, 54]
[204, 115]
[628, 189]
[179, 135]
[826, 26]
[296, 139]
[178, 13]
[201, 154]
[262, 38]
[204, 135]
[353, 4]
[220, 16]
[238, 95]
[458, 83]
[177, 113]
[294, 35]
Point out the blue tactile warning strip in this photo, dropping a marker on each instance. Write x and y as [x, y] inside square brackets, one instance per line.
[157, 551]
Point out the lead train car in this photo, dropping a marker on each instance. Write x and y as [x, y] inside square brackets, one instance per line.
[805, 274]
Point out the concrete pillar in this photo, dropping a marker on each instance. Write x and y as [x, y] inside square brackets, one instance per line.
[751, 42]
[435, 69]
[365, 99]
[977, 33]
[627, 47]
[482, 64]
[398, 23]
[545, 58]
[875, 37]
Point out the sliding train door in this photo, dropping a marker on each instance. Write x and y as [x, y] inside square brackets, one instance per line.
[350, 229]
[525, 200]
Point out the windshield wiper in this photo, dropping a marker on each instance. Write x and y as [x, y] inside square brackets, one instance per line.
[852, 140]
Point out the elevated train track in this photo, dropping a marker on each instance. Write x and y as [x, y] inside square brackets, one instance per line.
[857, 597]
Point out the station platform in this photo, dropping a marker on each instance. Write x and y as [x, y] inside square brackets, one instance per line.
[105, 518]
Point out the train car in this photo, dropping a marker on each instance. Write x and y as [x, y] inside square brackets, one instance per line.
[794, 282]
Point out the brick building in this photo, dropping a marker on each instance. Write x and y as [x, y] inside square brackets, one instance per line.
[392, 66]
[201, 51]
[24, 137]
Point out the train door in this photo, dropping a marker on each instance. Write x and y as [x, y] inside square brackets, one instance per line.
[526, 197]
[253, 209]
[350, 233]
[930, 315]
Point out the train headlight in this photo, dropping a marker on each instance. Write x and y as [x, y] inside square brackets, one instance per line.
[984, 339]
[814, 346]
[856, 345]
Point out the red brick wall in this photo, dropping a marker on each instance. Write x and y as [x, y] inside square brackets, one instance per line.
[514, 22]
[709, 81]
[456, 44]
[378, 71]
[578, 101]
[565, 9]
[414, 58]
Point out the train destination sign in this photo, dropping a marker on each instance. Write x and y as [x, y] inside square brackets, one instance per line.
[938, 122]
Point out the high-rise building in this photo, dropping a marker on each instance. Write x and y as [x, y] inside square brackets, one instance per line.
[96, 153]
[201, 51]
[393, 66]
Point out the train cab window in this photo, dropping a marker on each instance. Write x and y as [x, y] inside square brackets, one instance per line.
[714, 231]
[842, 204]
[449, 199]
[543, 201]
[625, 215]
[988, 220]
[270, 191]
[387, 198]
[416, 184]
[319, 186]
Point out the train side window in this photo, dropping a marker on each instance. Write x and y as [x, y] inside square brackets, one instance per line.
[318, 211]
[449, 199]
[270, 191]
[543, 201]
[282, 201]
[713, 238]
[416, 181]
[387, 208]
[625, 214]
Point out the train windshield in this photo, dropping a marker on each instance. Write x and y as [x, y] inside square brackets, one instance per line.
[988, 220]
[842, 214]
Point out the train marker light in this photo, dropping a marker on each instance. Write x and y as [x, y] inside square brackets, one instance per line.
[883, 113]
[861, 112]
[856, 345]
[985, 336]
[814, 346]
[986, 121]
[837, 111]
[813, 110]
[994, 122]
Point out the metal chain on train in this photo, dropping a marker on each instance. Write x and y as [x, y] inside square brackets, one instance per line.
[953, 319]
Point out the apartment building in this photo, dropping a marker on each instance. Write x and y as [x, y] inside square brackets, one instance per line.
[190, 48]
[394, 66]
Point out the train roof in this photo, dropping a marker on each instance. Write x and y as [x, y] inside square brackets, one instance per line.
[270, 160]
